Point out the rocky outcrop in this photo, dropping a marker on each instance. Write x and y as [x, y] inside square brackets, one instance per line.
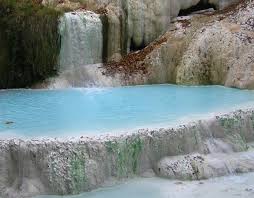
[32, 167]
[205, 48]
[134, 24]
[221, 53]
[124, 26]
[131, 24]
[196, 166]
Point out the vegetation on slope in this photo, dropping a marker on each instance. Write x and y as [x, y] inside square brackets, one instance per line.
[29, 42]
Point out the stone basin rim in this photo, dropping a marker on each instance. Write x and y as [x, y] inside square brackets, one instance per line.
[109, 136]
[123, 86]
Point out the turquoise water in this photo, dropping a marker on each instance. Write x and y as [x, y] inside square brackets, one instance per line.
[54, 113]
[224, 187]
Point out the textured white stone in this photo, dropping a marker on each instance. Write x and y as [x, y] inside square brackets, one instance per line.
[213, 49]
[134, 22]
[196, 166]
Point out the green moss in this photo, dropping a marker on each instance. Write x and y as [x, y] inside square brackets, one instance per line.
[239, 141]
[233, 127]
[32, 43]
[127, 155]
[229, 123]
[67, 172]
[77, 173]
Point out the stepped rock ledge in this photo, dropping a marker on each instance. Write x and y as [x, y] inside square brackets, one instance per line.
[55, 166]
[141, 42]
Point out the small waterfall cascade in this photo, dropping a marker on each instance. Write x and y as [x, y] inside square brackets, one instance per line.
[84, 76]
[81, 39]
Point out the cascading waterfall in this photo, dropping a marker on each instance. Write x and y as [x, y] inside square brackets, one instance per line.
[81, 39]
[84, 76]
[81, 50]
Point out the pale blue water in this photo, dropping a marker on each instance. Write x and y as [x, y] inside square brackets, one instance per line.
[54, 113]
[224, 187]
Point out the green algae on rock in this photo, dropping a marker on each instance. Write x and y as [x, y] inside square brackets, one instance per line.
[77, 170]
[30, 43]
[127, 155]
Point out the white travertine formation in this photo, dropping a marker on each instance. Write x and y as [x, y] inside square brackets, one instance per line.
[196, 166]
[220, 4]
[32, 167]
[208, 56]
[221, 53]
[128, 24]
[201, 49]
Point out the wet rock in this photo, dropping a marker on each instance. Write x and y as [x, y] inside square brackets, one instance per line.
[9, 122]
[208, 48]
[196, 166]
[132, 23]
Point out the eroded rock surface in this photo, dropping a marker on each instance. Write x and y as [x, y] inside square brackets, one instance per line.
[221, 53]
[132, 24]
[207, 48]
[196, 166]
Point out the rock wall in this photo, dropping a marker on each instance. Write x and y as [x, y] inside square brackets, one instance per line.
[204, 48]
[123, 26]
[32, 167]
[221, 53]
[132, 24]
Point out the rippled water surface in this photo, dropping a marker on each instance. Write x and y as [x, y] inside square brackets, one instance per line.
[52, 113]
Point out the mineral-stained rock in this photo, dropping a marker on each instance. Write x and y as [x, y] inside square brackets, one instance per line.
[206, 48]
[133, 24]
